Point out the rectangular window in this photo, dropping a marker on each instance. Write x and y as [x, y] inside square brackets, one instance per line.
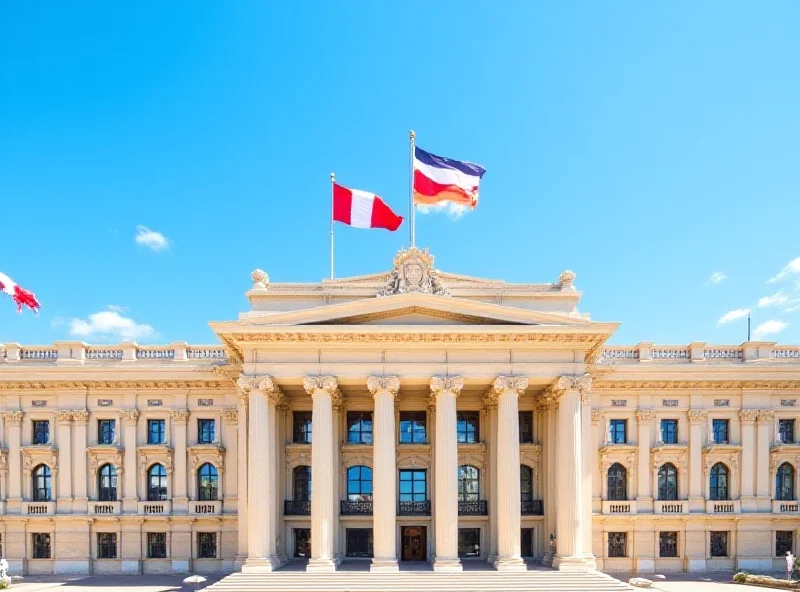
[617, 544]
[41, 432]
[359, 427]
[668, 544]
[786, 431]
[41, 545]
[207, 545]
[467, 426]
[205, 431]
[469, 542]
[105, 431]
[526, 427]
[669, 431]
[618, 431]
[155, 431]
[719, 544]
[359, 542]
[783, 542]
[301, 421]
[156, 545]
[106, 545]
[413, 427]
[720, 429]
[413, 486]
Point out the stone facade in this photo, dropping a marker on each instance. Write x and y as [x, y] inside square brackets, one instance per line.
[439, 417]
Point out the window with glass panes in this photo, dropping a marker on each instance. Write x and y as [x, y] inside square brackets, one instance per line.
[41, 545]
[105, 431]
[618, 431]
[719, 427]
[413, 486]
[205, 431]
[669, 431]
[525, 483]
[207, 483]
[106, 545]
[718, 482]
[302, 483]
[413, 426]
[301, 422]
[525, 427]
[467, 427]
[107, 483]
[359, 484]
[617, 544]
[207, 545]
[41, 431]
[156, 545]
[668, 544]
[783, 542]
[469, 542]
[155, 431]
[719, 544]
[468, 484]
[359, 427]
[786, 430]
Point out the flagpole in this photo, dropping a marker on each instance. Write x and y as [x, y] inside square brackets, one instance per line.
[411, 137]
[333, 181]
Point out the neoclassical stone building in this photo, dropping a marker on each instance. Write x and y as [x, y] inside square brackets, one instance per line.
[411, 415]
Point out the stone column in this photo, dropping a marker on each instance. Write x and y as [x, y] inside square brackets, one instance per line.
[762, 456]
[589, 448]
[324, 463]
[241, 503]
[569, 474]
[446, 390]
[549, 407]
[644, 497]
[748, 418]
[384, 474]
[180, 500]
[508, 390]
[80, 419]
[130, 500]
[490, 414]
[697, 420]
[262, 534]
[13, 421]
[64, 443]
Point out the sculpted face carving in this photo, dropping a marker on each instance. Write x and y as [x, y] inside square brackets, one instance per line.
[413, 272]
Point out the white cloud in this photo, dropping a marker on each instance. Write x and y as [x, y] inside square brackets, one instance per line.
[453, 210]
[792, 267]
[716, 278]
[110, 324]
[732, 315]
[151, 239]
[769, 328]
[777, 299]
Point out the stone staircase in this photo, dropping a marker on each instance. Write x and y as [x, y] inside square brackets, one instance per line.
[544, 580]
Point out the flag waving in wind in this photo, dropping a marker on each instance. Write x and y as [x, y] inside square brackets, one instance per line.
[20, 295]
[438, 180]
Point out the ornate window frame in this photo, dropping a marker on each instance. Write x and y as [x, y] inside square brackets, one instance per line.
[530, 456]
[200, 454]
[99, 456]
[777, 457]
[32, 457]
[678, 455]
[624, 454]
[727, 454]
[149, 455]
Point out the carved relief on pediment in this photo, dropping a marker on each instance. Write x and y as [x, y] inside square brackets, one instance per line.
[414, 272]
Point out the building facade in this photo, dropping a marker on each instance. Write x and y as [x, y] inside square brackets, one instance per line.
[411, 415]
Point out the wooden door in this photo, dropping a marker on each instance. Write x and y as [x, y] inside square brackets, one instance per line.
[414, 543]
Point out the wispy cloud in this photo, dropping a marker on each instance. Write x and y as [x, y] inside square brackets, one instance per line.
[732, 315]
[453, 210]
[769, 328]
[790, 268]
[777, 299]
[151, 239]
[716, 278]
[110, 324]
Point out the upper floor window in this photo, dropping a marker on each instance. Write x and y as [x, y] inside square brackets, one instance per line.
[302, 483]
[42, 484]
[41, 431]
[413, 428]
[155, 431]
[784, 483]
[669, 431]
[719, 428]
[105, 431]
[525, 483]
[469, 488]
[786, 431]
[205, 431]
[667, 482]
[359, 427]
[107, 483]
[207, 483]
[467, 427]
[157, 483]
[718, 489]
[617, 483]
[301, 427]
[413, 486]
[618, 431]
[359, 484]
[525, 427]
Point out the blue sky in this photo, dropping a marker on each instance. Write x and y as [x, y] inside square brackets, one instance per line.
[646, 146]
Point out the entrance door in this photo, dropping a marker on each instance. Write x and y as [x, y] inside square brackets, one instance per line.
[302, 542]
[526, 542]
[414, 543]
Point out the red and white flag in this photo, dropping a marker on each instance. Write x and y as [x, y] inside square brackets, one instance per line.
[361, 209]
[20, 295]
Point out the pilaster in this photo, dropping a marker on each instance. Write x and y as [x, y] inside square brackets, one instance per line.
[748, 418]
[64, 437]
[241, 503]
[180, 417]
[644, 496]
[697, 421]
[130, 500]
[13, 421]
[490, 415]
[765, 419]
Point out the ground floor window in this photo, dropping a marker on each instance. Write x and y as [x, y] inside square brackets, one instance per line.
[783, 542]
[106, 545]
[156, 545]
[719, 544]
[469, 542]
[302, 543]
[617, 544]
[359, 542]
[41, 545]
[207, 545]
[668, 544]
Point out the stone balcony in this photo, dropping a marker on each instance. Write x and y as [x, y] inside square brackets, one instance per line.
[671, 507]
[205, 508]
[723, 507]
[155, 508]
[616, 508]
[97, 508]
[38, 508]
[785, 507]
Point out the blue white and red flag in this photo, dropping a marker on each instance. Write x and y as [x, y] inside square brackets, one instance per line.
[438, 180]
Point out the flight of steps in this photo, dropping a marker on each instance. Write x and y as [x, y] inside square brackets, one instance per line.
[420, 581]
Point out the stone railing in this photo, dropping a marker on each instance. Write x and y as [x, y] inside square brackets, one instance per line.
[155, 508]
[205, 508]
[619, 507]
[38, 508]
[671, 507]
[699, 352]
[77, 352]
[105, 508]
[785, 507]
[723, 507]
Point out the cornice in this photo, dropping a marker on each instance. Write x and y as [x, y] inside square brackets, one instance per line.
[417, 337]
[621, 385]
[44, 385]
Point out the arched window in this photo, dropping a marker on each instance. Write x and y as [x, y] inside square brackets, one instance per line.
[525, 483]
[359, 484]
[157, 483]
[207, 483]
[42, 484]
[617, 483]
[784, 483]
[718, 486]
[668, 482]
[469, 489]
[302, 484]
[107, 483]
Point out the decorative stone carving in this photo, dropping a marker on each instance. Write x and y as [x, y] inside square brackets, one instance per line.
[180, 416]
[260, 279]
[748, 415]
[414, 272]
[573, 383]
[325, 383]
[377, 384]
[13, 418]
[264, 384]
[63, 416]
[765, 415]
[596, 415]
[230, 415]
[129, 415]
[489, 401]
[644, 416]
[440, 384]
[566, 279]
[510, 383]
[697, 415]
[80, 416]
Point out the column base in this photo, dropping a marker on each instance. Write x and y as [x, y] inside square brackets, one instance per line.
[570, 563]
[384, 565]
[447, 565]
[321, 566]
[261, 564]
[239, 562]
[510, 564]
[591, 561]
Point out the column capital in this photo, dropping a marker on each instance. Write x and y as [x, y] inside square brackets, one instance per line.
[230, 415]
[505, 384]
[13, 418]
[63, 416]
[573, 383]
[180, 416]
[765, 415]
[379, 384]
[748, 415]
[320, 383]
[129, 415]
[441, 384]
[80, 416]
[596, 415]
[261, 384]
[697, 415]
[644, 416]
